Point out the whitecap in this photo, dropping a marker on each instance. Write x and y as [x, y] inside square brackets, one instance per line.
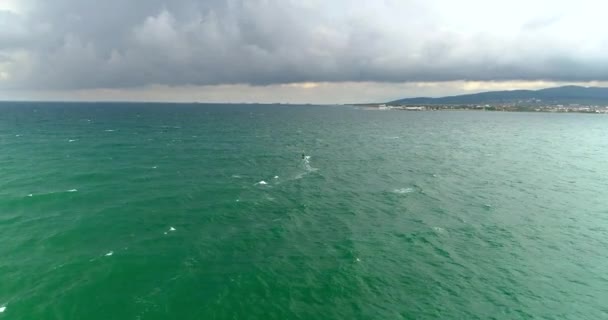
[236, 176]
[403, 190]
[109, 253]
[2, 309]
[72, 190]
[307, 166]
[71, 140]
[171, 229]
[110, 130]
[30, 195]
[155, 167]
[276, 177]
[438, 229]
[262, 183]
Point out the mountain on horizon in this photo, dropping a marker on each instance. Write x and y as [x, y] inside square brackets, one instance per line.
[556, 95]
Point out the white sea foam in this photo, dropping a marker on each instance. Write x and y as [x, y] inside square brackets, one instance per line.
[307, 166]
[2, 309]
[304, 164]
[110, 130]
[439, 229]
[109, 253]
[403, 190]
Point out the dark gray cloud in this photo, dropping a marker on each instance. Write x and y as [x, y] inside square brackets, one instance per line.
[81, 44]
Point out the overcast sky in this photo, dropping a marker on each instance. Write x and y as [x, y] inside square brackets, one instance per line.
[316, 51]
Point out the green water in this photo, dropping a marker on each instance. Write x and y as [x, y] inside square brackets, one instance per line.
[394, 215]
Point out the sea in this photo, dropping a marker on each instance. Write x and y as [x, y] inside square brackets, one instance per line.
[202, 211]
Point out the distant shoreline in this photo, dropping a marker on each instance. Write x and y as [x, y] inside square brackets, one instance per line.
[499, 108]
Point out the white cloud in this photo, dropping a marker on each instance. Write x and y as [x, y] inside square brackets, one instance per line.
[11, 6]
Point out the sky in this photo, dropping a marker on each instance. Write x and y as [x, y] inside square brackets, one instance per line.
[307, 51]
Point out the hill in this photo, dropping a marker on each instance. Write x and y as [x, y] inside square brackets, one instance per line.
[558, 95]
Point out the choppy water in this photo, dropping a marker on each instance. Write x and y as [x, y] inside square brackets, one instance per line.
[135, 211]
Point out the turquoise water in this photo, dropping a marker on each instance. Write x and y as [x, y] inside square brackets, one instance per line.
[152, 211]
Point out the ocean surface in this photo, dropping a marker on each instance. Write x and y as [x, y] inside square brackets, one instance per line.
[166, 211]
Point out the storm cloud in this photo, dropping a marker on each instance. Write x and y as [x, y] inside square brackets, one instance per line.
[85, 44]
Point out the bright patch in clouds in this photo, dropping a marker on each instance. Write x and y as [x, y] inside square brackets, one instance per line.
[10, 5]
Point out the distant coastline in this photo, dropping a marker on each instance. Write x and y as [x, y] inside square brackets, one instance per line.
[566, 99]
[574, 108]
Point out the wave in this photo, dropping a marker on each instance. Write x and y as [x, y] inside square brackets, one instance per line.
[404, 190]
[307, 167]
[51, 193]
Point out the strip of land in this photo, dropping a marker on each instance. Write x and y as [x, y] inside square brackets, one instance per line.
[561, 99]
[576, 108]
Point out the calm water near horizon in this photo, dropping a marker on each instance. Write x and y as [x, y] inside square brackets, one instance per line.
[164, 211]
